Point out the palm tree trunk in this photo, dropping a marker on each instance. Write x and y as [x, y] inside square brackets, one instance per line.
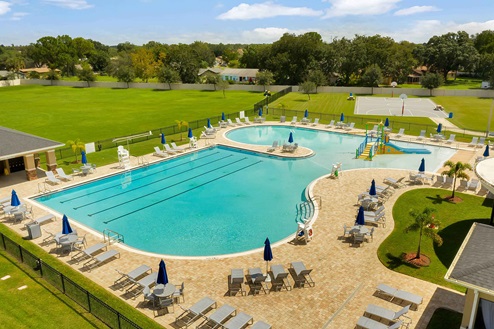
[454, 187]
[417, 256]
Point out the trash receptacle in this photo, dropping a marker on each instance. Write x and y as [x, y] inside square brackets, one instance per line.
[34, 230]
[450, 115]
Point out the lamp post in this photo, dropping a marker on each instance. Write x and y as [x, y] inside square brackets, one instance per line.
[489, 121]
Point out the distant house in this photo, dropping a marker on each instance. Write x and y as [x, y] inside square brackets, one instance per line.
[416, 76]
[229, 74]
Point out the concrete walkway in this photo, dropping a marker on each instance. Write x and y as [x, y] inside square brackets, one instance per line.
[447, 125]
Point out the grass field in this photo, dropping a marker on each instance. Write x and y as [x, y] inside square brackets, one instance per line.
[456, 220]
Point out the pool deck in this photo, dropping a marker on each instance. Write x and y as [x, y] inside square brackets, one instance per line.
[346, 277]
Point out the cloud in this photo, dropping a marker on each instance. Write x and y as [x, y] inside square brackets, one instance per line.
[71, 4]
[18, 16]
[265, 10]
[415, 10]
[4, 7]
[369, 7]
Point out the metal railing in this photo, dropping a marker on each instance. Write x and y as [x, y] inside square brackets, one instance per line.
[112, 236]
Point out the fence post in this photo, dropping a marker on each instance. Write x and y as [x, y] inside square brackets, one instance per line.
[3, 242]
[20, 253]
[40, 264]
[88, 301]
[118, 318]
[63, 282]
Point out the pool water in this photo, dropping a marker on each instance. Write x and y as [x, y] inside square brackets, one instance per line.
[219, 200]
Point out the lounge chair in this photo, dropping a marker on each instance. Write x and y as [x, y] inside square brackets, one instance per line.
[279, 278]
[483, 190]
[393, 293]
[239, 321]
[379, 219]
[179, 292]
[219, 316]
[451, 139]
[273, 147]
[204, 135]
[448, 182]
[132, 276]
[375, 213]
[302, 275]
[331, 124]
[196, 311]
[63, 175]
[101, 258]
[230, 123]
[235, 282]
[481, 142]
[421, 136]
[177, 148]
[316, 122]
[257, 281]
[44, 219]
[260, 325]
[463, 184]
[247, 121]
[473, 184]
[384, 313]
[169, 150]
[294, 120]
[350, 126]
[159, 152]
[239, 123]
[474, 141]
[400, 133]
[147, 281]
[366, 323]
[50, 177]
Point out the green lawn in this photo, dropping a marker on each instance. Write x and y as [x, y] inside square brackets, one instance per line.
[468, 112]
[456, 220]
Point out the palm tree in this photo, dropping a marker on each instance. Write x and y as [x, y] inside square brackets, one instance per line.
[426, 224]
[180, 124]
[456, 170]
[76, 145]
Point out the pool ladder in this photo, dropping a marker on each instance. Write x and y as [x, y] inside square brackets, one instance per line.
[42, 188]
[142, 161]
[112, 236]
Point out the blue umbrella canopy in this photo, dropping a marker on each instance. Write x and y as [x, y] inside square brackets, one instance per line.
[190, 135]
[360, 216]
[162, 275]
[486, 152]
[268, 253]
[386, 123]
[222, 116]
[163, 140]
[422, 165]
[83, 157]
[66, 229]
[342, 117]
[14, 200]
[372, 190]
[439, 128]
[209, 124]
[260, 111]
[290, 138]
[306, 114]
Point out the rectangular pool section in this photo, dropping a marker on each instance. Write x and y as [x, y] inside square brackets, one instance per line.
[219, 200]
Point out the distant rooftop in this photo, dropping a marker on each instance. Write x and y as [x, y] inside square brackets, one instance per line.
[15, 143]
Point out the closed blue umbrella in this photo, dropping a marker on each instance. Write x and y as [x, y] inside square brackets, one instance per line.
[486, 152]
[306, 114]
[360, 216]
[260, 111]
[386, 123]
[290, 138]
[190, 135]
[66, 229]
[14, 200]
[372, 190]
[162, 275]
[439, 128]
[222, 116]
[209, 124]
[268, 253]
[83, 157]
[163, 140]
[342, 117]
[422, 165]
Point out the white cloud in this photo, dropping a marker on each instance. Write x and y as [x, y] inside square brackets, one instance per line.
[415, 10]
[4, 7]
[18, 16]
[265, 10]
[476, 27]
[71, 4]
[369, 7]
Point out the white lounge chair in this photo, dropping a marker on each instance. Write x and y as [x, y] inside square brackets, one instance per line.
[177, 148]
[239, 321]
[316, 122]
[294, 120]
[206, 136]
[194, 312]
[393, 293]
[350, 126]
[132, 276]
[473, 184]
[421, 136]
[230, 123]
[63, 175]
[218, 317]
[302, 274]
[159, 152]
[169, 150]
[101, 258]
[261, 325]
[451, 139]
[481, 142]
[367, 323]
[384, 313]
[273, 147]
[400, 133]
[331, 124]
[247, 121]
[50, 177]
[463, 184]
[239, 123]
[44, 219]
[89, 252]
[474, 141]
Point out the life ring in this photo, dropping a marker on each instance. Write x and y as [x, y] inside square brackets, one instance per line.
[310, 232]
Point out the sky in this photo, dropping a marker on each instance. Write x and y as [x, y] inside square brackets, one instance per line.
[229, 21]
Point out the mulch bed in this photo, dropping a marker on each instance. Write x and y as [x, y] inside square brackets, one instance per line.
[453, 200]
[411, 258]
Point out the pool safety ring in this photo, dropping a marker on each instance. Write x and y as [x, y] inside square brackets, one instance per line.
[310, 232]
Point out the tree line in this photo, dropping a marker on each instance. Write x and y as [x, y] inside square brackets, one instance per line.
[304, 60]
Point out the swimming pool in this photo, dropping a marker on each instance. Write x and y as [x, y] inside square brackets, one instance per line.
[218, 200]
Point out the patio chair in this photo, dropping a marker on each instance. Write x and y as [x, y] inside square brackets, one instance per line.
[358, 239]
[161, 303]
[473, 184]
[280, 278]
[88, 252]
[239, 123]
[247, 121]
[474, 141]
[481, 142]
[397, 183]
[302, 274]
[384, 313]
[191, 314]
[61, 173]
[147, 281]
[218, 317]
[316, 122]
[179, 292]
[379, 219]
[483, 190]
[330, 125]
[346, 231]
[49, 238]
[132, 276]
[159, 152]
[393, 293]
[370, 235]
[177, 148]
[260, 325]
[257, 281]
[50, 177]
[239, 321]
[421, 136]
[169, 150]
[230, 123]
[366, 323]
[400, 133]
[350, 126]
[294, 120]
[101, 258]
[451, 139]
[273, 147]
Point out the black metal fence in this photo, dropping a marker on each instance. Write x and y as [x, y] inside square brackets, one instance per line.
[81, 296]
[270, 99]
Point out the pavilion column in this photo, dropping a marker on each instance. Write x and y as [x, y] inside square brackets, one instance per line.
[30, 167]
[6, 167]
[51, 160]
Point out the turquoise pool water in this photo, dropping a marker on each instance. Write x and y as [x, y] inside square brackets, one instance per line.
[219, 200]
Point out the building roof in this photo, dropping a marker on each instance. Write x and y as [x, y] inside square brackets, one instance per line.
[15, 143]
[230, 71]
[40, 70]
[473, 266]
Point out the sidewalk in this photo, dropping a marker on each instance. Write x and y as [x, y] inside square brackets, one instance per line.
[447, 125]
